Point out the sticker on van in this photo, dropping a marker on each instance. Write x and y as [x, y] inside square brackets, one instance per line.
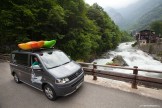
[36, 79]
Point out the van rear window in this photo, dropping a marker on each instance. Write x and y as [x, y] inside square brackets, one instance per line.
[21, 59]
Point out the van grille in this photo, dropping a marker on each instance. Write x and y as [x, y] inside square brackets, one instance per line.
[73, 76]
[76, 83]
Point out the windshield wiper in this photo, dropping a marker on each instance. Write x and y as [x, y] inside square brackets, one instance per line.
[59, 65]
[66, 63]
[54, 66]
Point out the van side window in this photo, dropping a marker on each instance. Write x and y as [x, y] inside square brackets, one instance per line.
[21, 59]
[34, 60]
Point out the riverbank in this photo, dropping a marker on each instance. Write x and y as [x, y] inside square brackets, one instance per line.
[148, 92]
[153, 49]
[133, 56]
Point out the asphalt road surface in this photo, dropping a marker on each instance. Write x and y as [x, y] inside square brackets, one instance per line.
[14, 95]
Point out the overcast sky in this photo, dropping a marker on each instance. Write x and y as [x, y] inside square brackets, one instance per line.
[111, 3]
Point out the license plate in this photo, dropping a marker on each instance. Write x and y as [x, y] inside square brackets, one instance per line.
[79, 85]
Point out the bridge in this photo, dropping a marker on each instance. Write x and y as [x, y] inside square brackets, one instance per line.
[90, 95]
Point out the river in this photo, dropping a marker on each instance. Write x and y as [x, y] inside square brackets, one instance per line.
[133, 57]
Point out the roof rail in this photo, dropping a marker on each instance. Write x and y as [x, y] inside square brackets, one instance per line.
[33, 50]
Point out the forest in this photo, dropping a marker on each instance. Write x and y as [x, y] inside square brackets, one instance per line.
[82, 31]
[157, 27]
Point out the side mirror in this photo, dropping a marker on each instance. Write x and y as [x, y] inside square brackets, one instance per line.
[36, 67]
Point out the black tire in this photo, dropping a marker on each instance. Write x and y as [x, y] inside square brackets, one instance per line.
[16, 78]
[49, 92]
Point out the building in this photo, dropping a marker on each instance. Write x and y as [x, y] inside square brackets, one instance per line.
[147, 36]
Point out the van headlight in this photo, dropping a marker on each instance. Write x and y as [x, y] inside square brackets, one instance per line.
[62, 80]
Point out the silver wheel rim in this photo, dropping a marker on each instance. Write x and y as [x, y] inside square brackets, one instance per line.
[49, 92]
[16, 78]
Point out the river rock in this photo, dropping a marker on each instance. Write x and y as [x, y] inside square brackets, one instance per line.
[118, 60]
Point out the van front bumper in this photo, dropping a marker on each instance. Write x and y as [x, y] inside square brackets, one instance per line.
[69, 88]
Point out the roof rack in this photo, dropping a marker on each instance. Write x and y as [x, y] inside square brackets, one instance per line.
[34, 50]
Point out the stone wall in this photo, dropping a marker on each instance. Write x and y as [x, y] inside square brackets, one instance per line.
[153, 48]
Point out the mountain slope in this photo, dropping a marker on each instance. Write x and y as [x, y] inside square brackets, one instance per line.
[153, 15]
[115, 16]
[144, 21]
[136, 11]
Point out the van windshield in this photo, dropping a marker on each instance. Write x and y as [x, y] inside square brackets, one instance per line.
[54, 59]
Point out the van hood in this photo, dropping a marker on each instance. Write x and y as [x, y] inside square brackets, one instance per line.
[64, 70]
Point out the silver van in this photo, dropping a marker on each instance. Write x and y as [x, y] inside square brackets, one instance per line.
[55, 73]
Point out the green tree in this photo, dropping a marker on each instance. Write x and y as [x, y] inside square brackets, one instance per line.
[126, 37]
[107, 30]
[82, 31]
[157, 27]
[80, 34]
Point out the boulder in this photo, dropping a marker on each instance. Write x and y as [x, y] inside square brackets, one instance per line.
[118, 60]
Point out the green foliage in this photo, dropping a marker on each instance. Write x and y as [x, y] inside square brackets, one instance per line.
[109, 33]
[126, 37]
[80, 30]
[160, 53]
[157, 27]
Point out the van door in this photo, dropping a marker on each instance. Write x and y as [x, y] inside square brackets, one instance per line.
[36, 72]
[21, 65]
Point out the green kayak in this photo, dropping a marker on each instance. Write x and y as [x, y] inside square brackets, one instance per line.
[49, 44]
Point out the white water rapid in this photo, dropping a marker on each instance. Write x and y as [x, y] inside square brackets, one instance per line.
[133, 57]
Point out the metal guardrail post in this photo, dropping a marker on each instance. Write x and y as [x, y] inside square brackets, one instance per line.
[135, 72]
[93, 71]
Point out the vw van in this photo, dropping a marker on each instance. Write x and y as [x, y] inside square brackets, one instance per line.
[55, 75]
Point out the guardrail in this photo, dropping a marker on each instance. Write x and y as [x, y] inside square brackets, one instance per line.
[134, 78]
[4, 57]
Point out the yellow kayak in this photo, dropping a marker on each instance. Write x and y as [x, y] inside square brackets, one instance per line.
[31, 45]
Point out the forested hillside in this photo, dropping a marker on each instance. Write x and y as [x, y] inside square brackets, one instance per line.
[82, 31]
[151, 16]
[139, 12]
[157, 27]
[116, 16]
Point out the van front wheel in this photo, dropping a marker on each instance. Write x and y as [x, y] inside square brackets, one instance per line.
[49, 92]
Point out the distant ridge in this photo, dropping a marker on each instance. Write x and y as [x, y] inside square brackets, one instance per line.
[138, 15]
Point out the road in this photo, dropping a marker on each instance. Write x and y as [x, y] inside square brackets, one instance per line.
[14, 95]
